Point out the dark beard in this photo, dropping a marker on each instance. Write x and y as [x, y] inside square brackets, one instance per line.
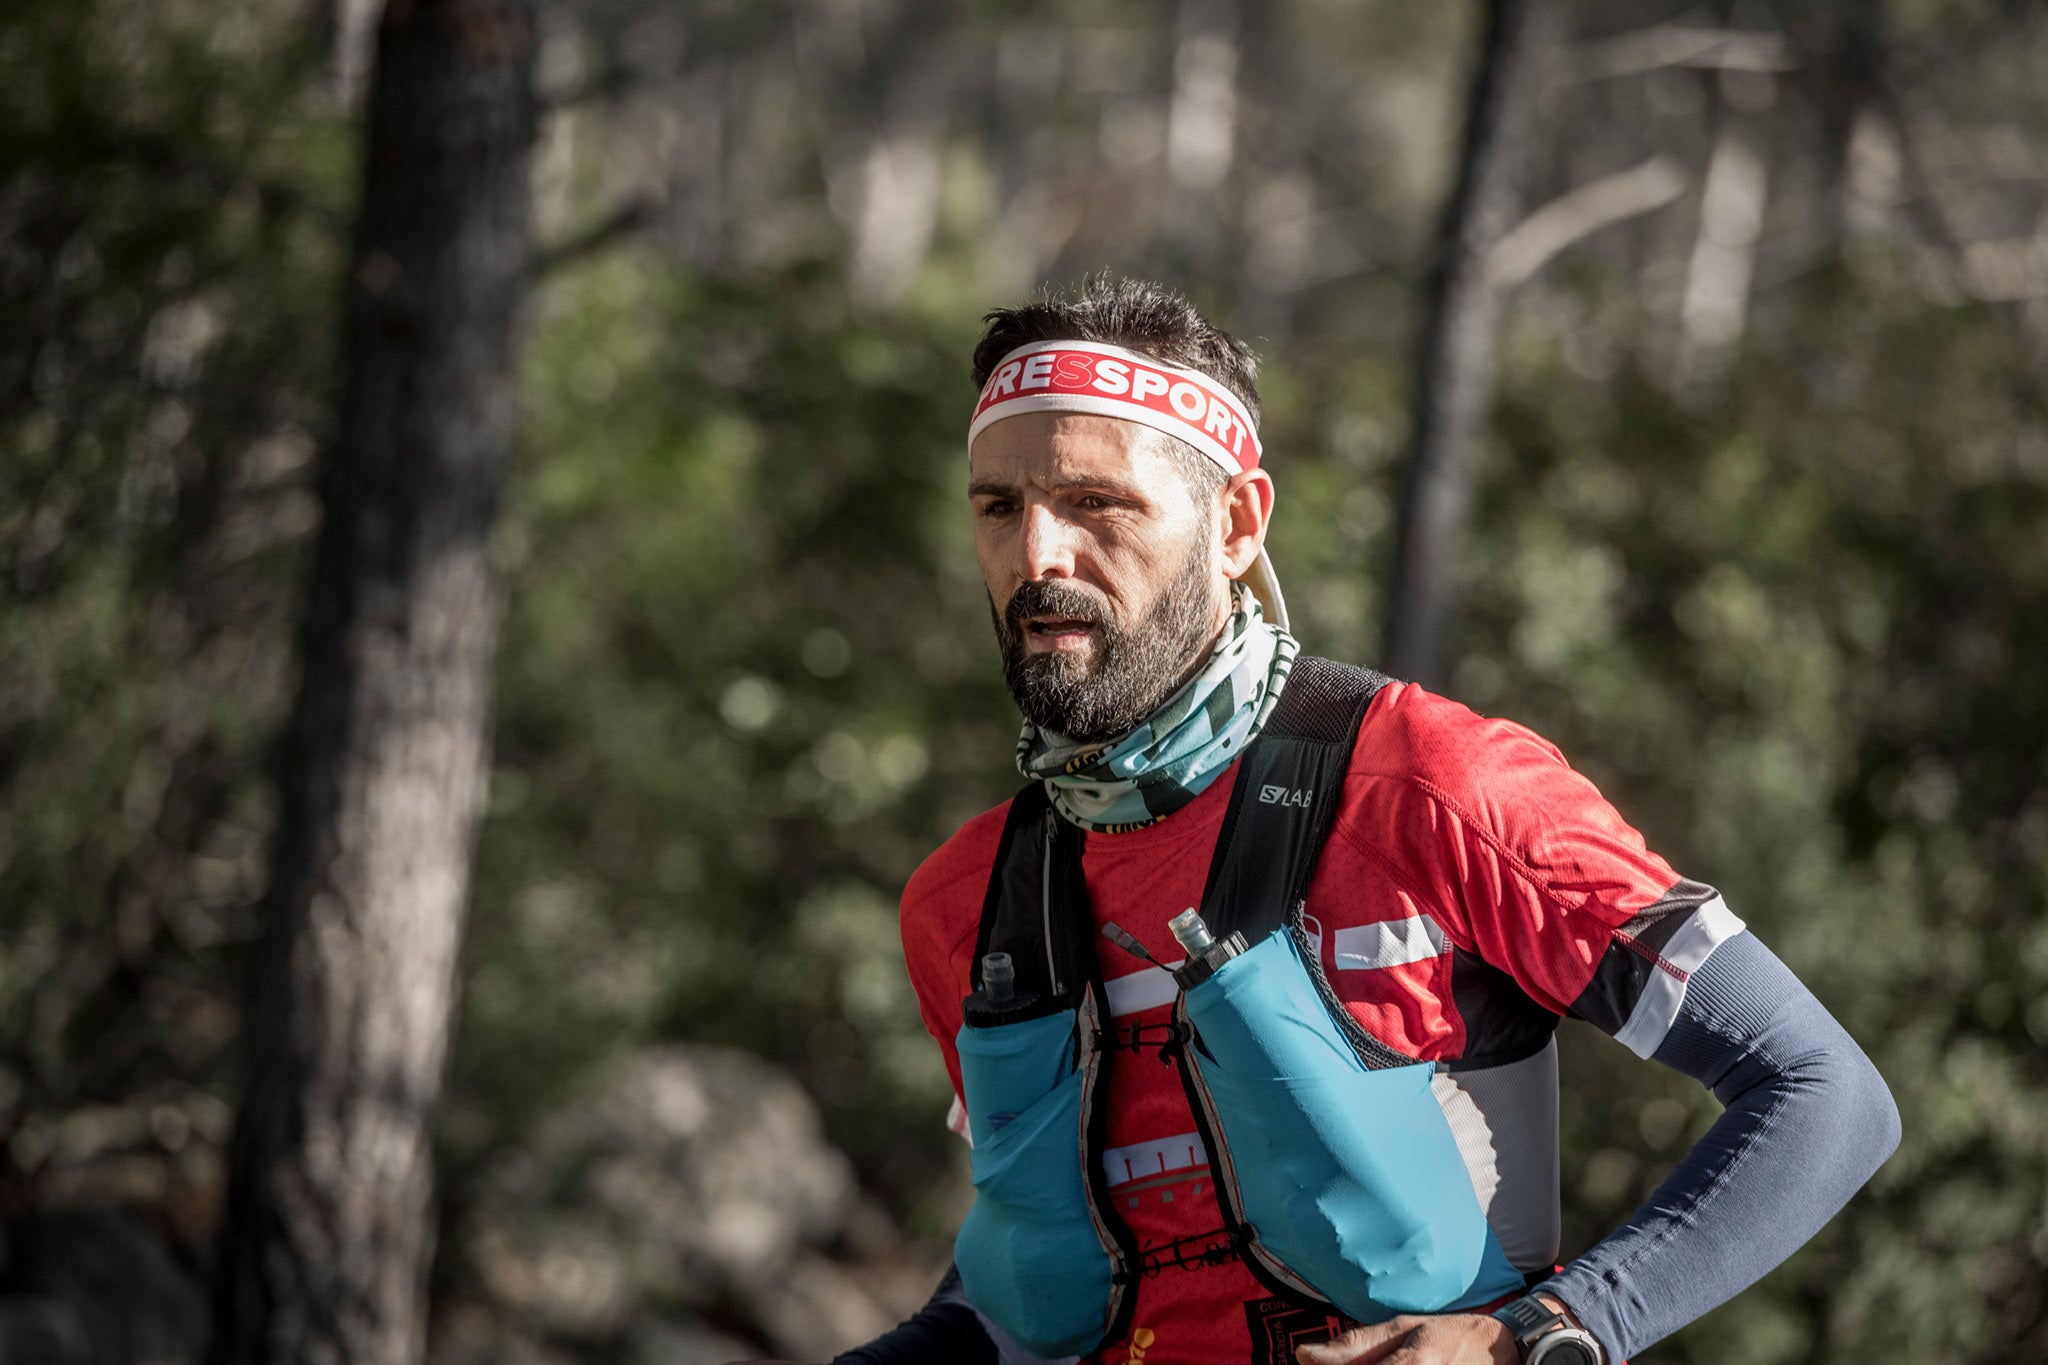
[1135, 668]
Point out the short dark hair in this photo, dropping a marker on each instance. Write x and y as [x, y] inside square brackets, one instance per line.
[1139, 315]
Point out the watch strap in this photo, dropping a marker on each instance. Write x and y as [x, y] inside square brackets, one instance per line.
[1528, 1317]
[1532, 1321]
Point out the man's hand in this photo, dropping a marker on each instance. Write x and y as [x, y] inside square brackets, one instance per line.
[1449, 1339]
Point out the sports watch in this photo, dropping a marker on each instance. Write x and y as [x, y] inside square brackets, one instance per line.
[1545, 1336]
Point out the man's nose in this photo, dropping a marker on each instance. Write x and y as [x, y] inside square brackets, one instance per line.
[1045, 544]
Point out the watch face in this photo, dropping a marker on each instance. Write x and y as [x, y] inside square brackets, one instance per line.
[1564, 1348]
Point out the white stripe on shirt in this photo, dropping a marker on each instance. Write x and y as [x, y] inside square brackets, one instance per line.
[1144, 989]
[1390, 943]
[1704, 930]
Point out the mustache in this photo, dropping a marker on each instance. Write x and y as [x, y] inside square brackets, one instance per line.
[1053, 598]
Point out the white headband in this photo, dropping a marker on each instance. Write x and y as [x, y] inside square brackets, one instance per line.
[1109, 381]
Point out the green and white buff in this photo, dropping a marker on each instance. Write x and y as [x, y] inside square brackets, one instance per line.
[1172, 757]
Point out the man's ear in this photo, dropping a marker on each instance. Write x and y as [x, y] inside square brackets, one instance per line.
[1247, 507]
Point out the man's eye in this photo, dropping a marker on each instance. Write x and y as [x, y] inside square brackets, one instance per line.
[999, 507]
[1095, 502]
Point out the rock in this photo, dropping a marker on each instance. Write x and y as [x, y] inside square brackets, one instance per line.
[478, 1334]
[819, 1309]
[661, 1341]
[693, 1185]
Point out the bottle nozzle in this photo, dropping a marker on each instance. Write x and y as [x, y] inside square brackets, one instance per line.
[998, 978]
[1205, 954]
[1193, 934]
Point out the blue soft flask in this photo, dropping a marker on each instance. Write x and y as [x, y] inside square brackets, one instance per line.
[1029, 1253]
[1348, 1176]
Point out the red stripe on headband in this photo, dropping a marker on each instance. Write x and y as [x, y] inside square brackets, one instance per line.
[1109, 381]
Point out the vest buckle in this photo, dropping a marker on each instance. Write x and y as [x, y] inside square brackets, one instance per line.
[1171, 1037]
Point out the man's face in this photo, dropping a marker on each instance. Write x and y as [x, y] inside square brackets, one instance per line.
[1102, 568]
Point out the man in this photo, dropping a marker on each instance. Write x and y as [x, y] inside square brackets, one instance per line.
[1465, 889]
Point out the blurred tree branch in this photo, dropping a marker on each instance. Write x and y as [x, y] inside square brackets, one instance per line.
[1667, 45]
[1579, 213]
[629, 218]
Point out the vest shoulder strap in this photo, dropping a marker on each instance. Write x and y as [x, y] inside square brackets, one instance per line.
[1284, 802]
[1035, 907]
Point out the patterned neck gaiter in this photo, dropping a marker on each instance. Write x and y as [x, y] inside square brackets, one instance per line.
[1170, 758]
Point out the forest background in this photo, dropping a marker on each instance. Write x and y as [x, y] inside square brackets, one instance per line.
[1757, 538]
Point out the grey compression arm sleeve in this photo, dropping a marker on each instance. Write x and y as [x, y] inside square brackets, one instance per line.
[1808, 1120]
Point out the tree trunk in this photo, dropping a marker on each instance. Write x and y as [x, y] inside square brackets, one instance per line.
[329, 1230]
[1455, 363]
[1852, 43]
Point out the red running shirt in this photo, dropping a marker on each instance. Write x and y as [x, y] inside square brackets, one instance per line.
[1473, 889]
